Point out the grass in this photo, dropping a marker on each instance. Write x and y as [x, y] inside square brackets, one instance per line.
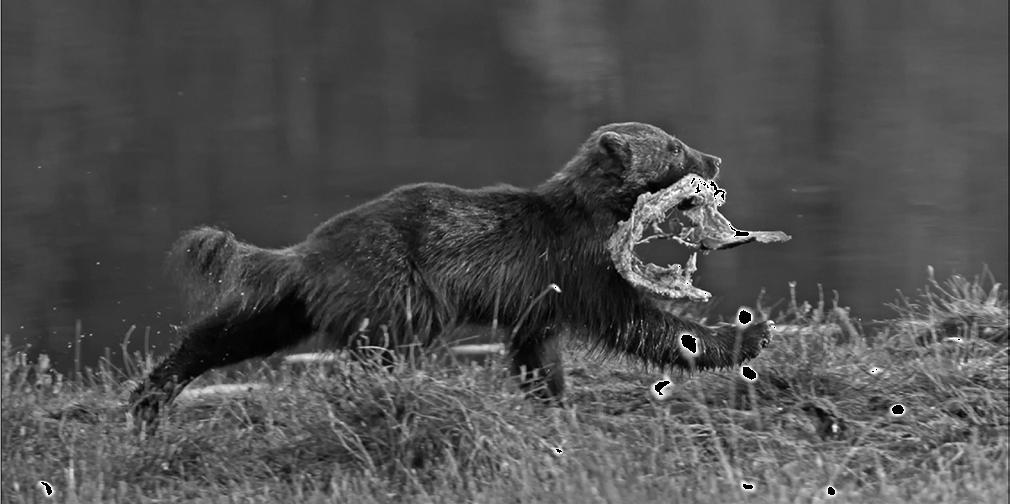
[819, 415]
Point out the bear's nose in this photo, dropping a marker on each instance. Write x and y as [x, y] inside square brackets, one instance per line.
[714, 163]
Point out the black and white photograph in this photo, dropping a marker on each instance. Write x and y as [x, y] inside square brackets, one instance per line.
[516, 251]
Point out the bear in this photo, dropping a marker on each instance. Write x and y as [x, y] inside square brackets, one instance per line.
[412, 264]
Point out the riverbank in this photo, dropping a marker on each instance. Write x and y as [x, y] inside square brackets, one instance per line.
[914, 410]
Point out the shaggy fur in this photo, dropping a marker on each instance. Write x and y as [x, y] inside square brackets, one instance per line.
[423, 258]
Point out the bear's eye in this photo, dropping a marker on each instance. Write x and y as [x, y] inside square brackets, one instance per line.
[675, 149]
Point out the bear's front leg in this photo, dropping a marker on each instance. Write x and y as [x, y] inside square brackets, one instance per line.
[666, 340]
[726, 345]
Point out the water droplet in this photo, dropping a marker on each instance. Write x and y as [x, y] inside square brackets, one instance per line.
[689, 343]
[744, 316]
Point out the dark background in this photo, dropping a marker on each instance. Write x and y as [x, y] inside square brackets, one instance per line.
[874, 132]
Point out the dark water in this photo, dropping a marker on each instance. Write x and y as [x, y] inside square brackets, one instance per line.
[874, 132]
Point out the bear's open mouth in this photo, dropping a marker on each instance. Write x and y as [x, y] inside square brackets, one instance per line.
[690, 209]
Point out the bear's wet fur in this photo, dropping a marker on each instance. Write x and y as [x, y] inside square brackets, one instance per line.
[414, 263]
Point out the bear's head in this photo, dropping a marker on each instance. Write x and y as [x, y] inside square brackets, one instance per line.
[621, 161]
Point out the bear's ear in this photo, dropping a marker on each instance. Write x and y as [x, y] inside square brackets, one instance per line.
[615, 146]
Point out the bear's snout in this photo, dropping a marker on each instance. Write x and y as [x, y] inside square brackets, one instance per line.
[712, 164]
[703, 164]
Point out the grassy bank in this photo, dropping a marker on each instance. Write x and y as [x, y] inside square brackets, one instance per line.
[822, 413]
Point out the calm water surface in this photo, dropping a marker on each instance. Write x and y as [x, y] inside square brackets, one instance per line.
[874, 133]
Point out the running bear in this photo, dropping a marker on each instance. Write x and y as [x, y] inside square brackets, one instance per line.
[421, 259]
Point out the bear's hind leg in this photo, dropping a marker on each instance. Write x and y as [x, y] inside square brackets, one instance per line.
[227, 336]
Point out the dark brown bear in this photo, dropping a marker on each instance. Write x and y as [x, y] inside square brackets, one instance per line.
[424, 258]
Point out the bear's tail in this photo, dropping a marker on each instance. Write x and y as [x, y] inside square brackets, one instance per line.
[219, 269]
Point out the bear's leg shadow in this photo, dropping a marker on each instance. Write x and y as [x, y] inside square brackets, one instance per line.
[227, 336]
